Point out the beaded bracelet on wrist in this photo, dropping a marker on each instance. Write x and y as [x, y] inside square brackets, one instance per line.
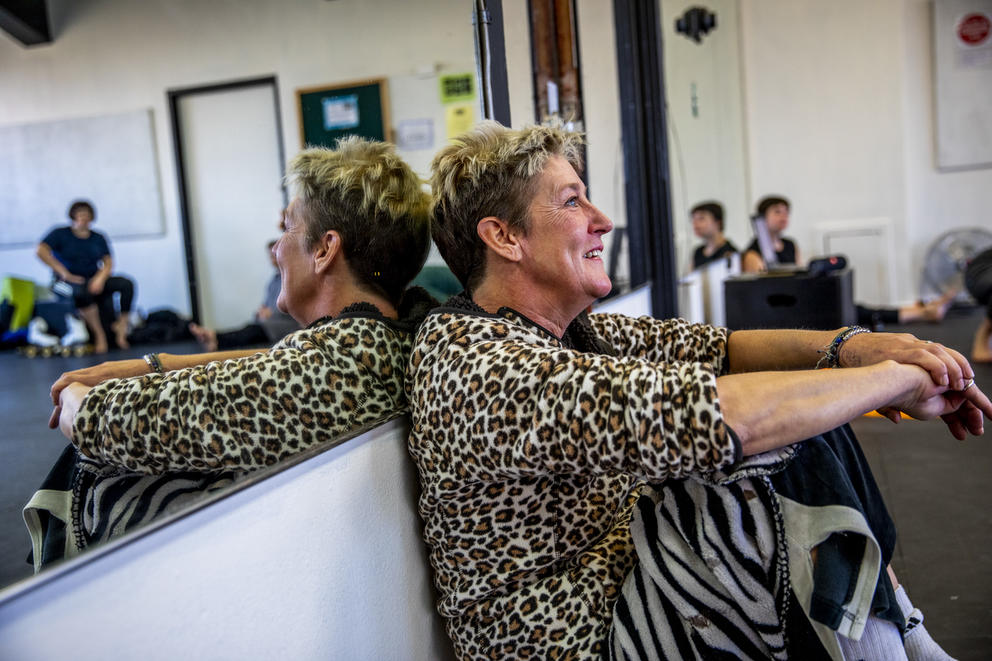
[154, 362]
[831, 352]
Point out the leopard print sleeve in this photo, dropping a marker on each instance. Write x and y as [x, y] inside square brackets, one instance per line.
[662, 341]
[492, 402]
[251, 412]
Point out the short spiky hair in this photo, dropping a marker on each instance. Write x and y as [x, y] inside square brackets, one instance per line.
[374, 200]
[489, 171]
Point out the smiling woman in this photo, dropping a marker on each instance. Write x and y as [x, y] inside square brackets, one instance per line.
[580, 473]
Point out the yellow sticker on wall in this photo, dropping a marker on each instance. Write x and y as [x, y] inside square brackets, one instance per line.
[459, 118]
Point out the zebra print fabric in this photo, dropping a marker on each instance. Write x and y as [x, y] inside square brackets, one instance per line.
[82, 503]
[709, 581]
[109, 502]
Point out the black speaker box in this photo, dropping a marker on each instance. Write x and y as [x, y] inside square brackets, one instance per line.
[790, 300]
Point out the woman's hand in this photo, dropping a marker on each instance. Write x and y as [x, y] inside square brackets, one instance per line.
[946, 366]
[97, 374]
[962, 410]
[70, 399]
[71, 278]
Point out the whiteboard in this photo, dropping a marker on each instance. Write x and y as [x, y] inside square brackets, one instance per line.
[109, 160]
[963, 82]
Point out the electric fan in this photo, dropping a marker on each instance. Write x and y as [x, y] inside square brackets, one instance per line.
[947, 257]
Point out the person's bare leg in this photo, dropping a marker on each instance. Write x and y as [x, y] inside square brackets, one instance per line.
[207, 337]
[981, 346]
[120, 328]
[91, 315]
[932, 311]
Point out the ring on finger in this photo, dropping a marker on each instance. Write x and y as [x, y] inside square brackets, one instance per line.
[969, 384]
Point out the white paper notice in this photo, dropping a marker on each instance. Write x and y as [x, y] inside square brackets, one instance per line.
[340, 112]
[414, 134]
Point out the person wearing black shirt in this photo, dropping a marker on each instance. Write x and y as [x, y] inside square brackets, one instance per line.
[775, 211]
[81, 262]
[707, 224]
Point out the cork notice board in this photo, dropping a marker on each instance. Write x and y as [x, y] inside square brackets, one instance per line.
[331, 112]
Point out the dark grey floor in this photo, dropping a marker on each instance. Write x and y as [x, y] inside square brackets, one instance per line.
[936, 489]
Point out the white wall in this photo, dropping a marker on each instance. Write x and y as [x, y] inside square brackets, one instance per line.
[117, 55]
[839, 100]
[323, 560]
[935, 201]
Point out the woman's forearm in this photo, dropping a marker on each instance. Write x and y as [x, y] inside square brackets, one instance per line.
[772, 409]
[173, 361]
[45, 254]
[759, 350]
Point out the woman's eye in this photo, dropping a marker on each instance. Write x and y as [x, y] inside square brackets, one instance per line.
[572, 202]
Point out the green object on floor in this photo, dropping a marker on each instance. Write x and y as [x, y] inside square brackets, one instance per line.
[20, 293]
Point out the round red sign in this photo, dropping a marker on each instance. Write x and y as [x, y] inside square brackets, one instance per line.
[974, 29]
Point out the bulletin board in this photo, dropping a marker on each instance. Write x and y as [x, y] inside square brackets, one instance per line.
[331, 112]
[963, 83]
[110, 160]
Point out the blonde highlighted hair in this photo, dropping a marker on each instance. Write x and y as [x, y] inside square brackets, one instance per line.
[374, 200]
[489, 171]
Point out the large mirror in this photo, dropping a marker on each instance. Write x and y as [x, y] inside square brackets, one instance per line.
[219, 88]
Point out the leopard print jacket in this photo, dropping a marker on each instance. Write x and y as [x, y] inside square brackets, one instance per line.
[252, 412]
[532, 456]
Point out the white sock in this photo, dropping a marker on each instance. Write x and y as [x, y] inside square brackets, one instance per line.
[919, 645]
[879, 642]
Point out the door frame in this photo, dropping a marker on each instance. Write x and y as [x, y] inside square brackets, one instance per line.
[174, 98]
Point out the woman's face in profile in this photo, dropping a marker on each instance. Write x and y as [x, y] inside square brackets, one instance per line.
[562, 249]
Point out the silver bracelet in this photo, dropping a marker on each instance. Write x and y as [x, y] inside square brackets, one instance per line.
[154, 362]
[831, 352]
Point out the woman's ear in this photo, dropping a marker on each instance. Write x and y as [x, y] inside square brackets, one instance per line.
[326, 251]
[500, 238]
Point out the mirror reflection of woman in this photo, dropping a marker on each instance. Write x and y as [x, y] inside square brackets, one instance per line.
[354, 236]
[598, 483]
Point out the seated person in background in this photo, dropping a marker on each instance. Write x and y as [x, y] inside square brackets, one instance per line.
[270, 325]
[931, 311]
[707, 224]
[978, 281]
[775, 211]
[354, 235]
[81, 262]
[601, 484]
